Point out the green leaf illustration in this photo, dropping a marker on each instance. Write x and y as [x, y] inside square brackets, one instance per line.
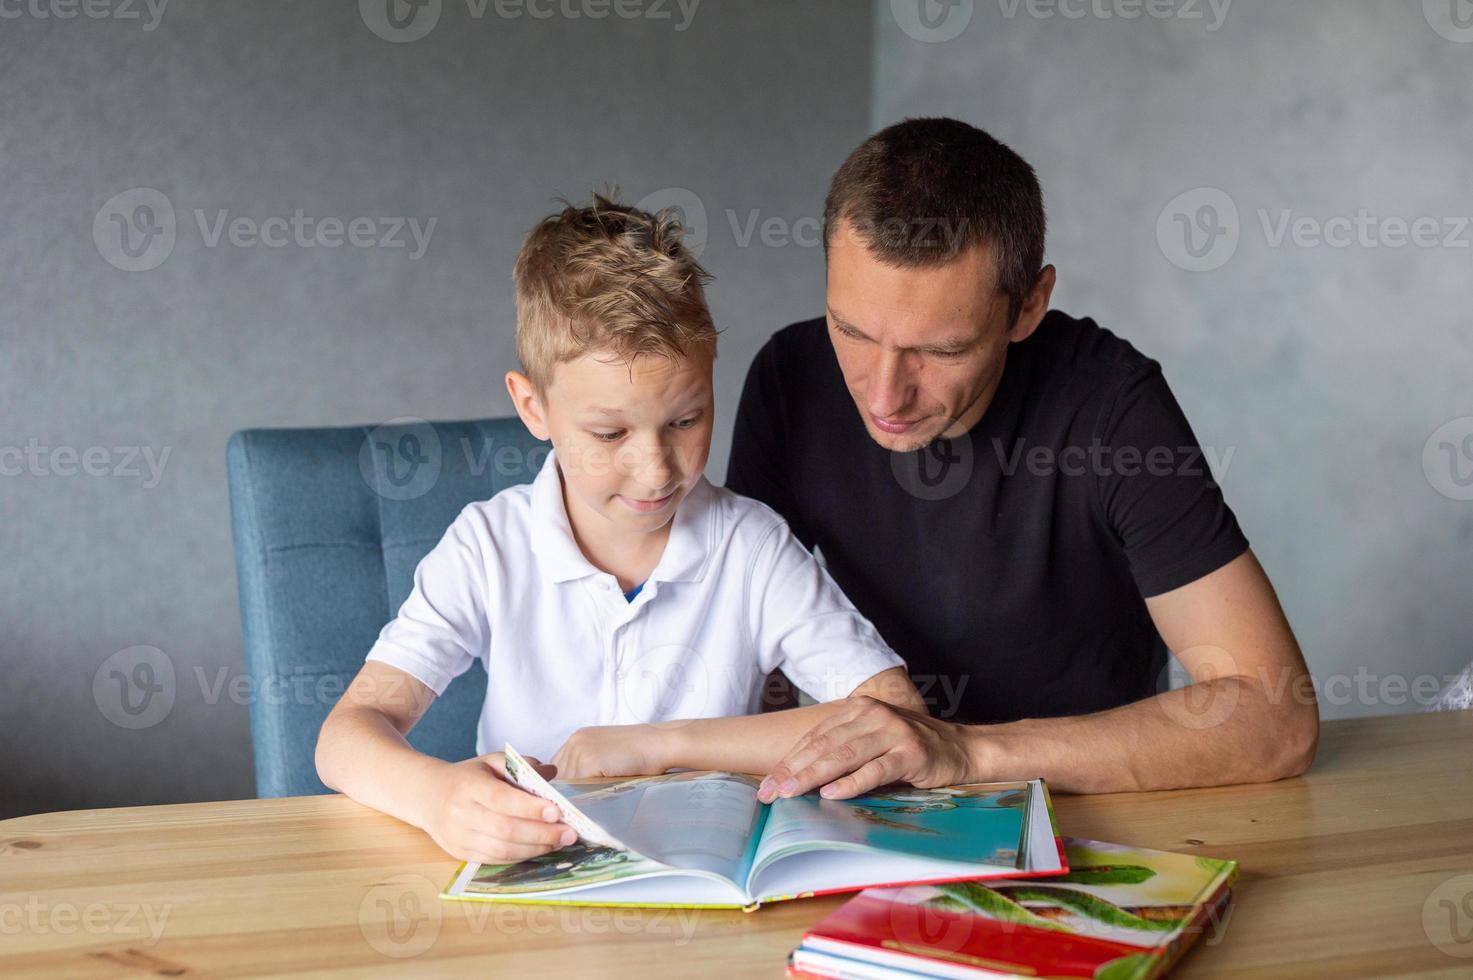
[1088, 906]
[969, 896]
[1126, 967]
[1108, 874]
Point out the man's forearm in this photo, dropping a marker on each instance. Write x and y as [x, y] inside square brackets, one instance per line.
[1226, 730]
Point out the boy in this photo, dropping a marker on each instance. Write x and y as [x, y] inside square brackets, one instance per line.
[621, 605]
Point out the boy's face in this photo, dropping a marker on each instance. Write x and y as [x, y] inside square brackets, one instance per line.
[632, 438]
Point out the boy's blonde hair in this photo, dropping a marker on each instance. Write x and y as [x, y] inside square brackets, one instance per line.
[608, 277]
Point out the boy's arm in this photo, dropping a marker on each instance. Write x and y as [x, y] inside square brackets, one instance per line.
[361, 750]
[745, 743]
[468, 808]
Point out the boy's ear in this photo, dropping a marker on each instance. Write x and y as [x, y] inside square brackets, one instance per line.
[528, 404]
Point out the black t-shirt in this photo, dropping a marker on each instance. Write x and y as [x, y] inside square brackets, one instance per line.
[1007, 566]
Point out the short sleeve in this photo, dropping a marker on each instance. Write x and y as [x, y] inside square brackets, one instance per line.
[758, 466]
[442, 626]
[804, 625]
[1157, 489]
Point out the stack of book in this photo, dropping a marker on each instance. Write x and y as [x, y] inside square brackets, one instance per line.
[1119, 913]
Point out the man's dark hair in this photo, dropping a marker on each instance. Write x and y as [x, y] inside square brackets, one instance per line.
[922, 191]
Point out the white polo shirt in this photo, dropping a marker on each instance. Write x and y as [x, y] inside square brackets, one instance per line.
[734, 596]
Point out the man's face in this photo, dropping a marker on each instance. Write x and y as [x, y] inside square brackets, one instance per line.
[922, 349]
[632, 438]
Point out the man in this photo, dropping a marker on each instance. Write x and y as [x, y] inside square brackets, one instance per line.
[1018, 504]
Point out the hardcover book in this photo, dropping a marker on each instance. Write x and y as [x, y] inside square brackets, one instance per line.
[702, 839]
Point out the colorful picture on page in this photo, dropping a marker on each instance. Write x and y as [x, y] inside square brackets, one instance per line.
[582, 863]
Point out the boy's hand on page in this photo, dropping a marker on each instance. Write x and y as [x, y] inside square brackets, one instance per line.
[611, 750]
[474, 814]
[867, 744]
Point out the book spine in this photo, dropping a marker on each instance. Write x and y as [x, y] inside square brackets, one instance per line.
[1208, 916]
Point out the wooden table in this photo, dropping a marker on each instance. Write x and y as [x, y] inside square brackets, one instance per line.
[1362, 868]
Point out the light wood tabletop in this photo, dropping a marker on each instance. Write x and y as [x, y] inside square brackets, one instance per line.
[1364, 867]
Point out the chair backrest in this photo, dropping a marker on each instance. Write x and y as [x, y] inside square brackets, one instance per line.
[329, 525]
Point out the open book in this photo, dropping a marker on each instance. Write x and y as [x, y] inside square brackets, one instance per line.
[702, 839]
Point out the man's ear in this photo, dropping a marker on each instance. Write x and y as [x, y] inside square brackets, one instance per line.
[528, 404]
[1034, 306]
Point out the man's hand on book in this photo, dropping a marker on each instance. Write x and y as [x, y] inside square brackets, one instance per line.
[610, 750]
[474, 814]
[870, 743]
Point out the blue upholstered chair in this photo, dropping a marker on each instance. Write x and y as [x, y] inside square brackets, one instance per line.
[329, 525]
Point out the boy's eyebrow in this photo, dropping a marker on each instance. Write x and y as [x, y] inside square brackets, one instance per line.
[619, 413]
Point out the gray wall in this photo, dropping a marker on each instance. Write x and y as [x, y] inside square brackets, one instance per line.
[262, 108]
[1326, 369]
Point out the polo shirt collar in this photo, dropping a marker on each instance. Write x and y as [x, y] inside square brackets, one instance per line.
[686, 552]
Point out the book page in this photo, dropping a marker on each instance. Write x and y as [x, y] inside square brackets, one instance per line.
[982, 823]
[697, 821]
[702, 823]
[581, 865]
[670, 889]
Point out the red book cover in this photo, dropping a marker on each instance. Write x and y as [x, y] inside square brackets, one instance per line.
[1121, 913]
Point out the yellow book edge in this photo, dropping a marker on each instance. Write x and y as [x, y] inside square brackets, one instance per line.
[445, 893]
